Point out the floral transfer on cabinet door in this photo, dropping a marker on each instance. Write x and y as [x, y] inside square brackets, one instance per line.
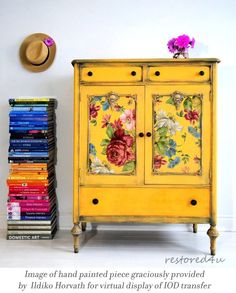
[177, 134]
[112, 120]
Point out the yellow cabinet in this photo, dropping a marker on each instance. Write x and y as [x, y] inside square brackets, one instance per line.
[144, 142]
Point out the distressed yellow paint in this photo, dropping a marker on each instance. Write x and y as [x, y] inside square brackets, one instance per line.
[145, 196]
[204, 90]
[183, 73]
[98, 135]
[142, 202]
[109, 74]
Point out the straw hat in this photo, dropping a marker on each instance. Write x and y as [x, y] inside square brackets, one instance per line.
[37, 52]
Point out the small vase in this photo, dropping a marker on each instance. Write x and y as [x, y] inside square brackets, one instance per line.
[181, 54]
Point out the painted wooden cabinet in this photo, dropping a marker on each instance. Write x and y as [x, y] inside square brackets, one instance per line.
[144, 142]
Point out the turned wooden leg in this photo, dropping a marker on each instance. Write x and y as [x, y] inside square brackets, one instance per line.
[83, 226]
[194, 228]
[76, 231]
[213, 234]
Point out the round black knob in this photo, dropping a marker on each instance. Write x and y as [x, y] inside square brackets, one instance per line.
[193, 202]
[157, 73]
[95, 201]
[133, 73]
[201, 73]
[90, 73]
[141, 134]
[148, 134]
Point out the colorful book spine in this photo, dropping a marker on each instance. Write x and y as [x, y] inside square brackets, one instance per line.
[31, 206]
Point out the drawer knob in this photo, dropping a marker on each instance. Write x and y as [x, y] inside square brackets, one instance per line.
[141, 134]
[95, 201]
[133, 73]
[148, 134]
[201, 73]
[193, 202]
[157, 73]
[90, 73]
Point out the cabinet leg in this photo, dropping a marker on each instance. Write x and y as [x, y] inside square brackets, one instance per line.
[83, 226]
[76, 231]
[194, 228]
[213, 234]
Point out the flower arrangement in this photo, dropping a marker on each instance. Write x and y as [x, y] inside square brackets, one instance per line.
[180, 45]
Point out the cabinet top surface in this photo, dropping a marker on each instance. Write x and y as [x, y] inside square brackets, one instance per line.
[149, 61]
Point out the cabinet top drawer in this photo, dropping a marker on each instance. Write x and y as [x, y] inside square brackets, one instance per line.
[111, 74]
[179, 73]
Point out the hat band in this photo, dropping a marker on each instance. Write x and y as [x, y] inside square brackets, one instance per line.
[40, 64]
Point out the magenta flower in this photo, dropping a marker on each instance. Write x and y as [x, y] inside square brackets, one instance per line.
[171, 45]
[159, 161]
[192, 43]
[49, 42]
[93, 111]
[192, 116]
[180, 44]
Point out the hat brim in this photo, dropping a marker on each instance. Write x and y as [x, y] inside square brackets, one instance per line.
[51, 53]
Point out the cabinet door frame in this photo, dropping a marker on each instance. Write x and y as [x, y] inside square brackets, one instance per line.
[86, 178]
[187, 89]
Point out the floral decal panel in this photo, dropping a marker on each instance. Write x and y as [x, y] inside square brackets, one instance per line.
[177, 134]
[112, 124]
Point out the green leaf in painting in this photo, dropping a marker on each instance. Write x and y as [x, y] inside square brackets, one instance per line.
[163, 139]
[185, 158]
[105, 142]
[188, 104]
[109, 131]
[170, 101]
[184, 136]
[162, 131]
[194, 131]
[94, 122]
[104, 151]
[129, 167]
[180, 114]
[161, 147]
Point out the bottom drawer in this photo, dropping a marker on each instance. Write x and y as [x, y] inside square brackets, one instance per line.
[181, 202]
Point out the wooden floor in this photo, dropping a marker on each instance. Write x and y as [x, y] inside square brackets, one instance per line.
[114, 248]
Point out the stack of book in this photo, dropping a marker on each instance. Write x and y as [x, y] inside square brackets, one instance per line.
[31, 206]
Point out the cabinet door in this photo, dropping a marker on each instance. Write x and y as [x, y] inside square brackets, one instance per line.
[110, 149]
[178, 118]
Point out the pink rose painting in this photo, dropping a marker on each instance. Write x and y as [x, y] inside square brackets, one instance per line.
[119, 149]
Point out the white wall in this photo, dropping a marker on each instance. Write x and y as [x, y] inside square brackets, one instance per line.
[114, 29]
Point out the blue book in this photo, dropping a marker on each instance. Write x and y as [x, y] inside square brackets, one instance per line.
[30, 127]
[43, 140]
[30, 114]
[25, 123]
[30, 118]
[30, 145]
[29, 109]
[23, 149]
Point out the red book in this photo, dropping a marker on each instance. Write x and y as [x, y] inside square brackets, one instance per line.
[35, 209]
[23, 183]
[28, 194]
[29, 202]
